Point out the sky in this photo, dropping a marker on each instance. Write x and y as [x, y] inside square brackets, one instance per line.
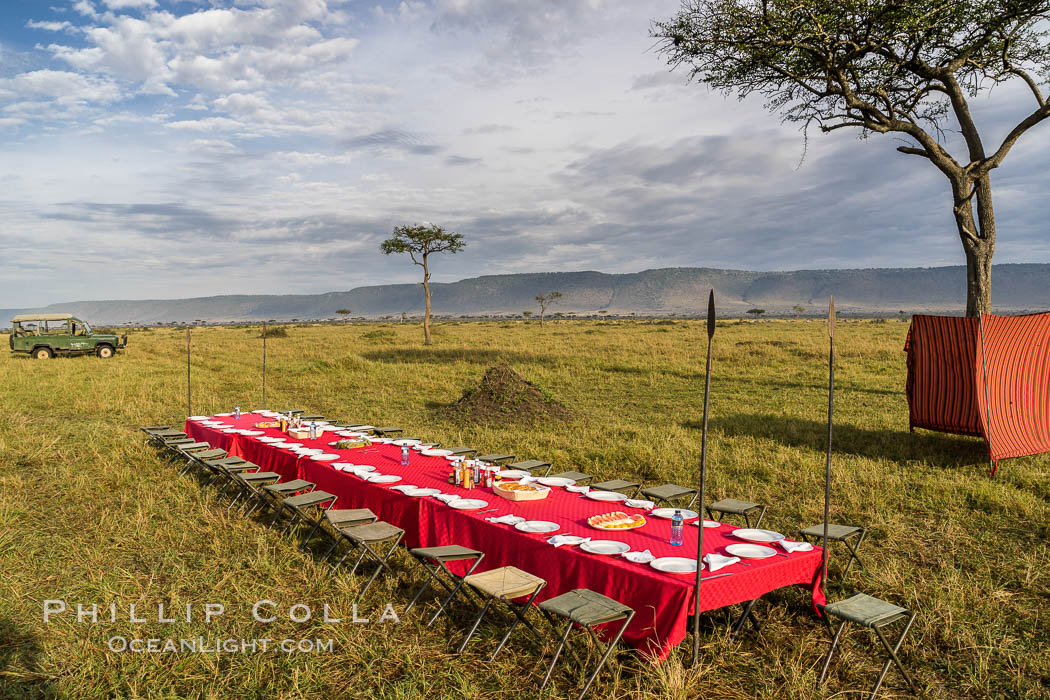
[154, 149]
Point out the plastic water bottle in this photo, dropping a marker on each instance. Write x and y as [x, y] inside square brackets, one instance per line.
[404, 455]
[676, 527]
[237, 412]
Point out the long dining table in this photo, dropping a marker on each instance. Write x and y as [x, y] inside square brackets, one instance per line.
[662, 601]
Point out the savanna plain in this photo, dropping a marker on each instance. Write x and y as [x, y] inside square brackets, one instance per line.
[90, 514]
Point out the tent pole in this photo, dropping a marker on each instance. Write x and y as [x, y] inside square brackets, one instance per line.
[188, 395]
[827, 463]
[987, 400]
[264, 367]
[703, 479]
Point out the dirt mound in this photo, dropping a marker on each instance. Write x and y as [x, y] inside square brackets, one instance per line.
[503, 395]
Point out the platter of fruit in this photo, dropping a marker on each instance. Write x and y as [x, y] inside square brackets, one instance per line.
[616, 520]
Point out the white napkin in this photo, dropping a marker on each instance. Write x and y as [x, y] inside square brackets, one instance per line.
[559, 540]
[447, 497]
[790, 546]
[717, 561]
[403, 487]
[638, 503]
[578, 489]
[643, 557]
[507, 519]
[526, 479]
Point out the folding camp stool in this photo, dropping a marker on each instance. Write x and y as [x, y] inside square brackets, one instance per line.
[874, 614]
[346, 517]
[531, 465]
[229, 467]
[577, 477]
[435, 560]
[839, 533]
[587, 609]
[619, 485]
[388, 430]
[159, 433]
[253, 483]
[735, 507]
[198, 459]
[462, 451]
[300, 507]
[313, 418]
[506, 583]
[363, 537]
[189, 450]
[496, 458]
[275, 493]
[669, 493]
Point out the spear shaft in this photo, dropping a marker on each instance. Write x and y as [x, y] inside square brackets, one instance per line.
[703, 478]
[827, 463]
[188, 396]
[264, 366]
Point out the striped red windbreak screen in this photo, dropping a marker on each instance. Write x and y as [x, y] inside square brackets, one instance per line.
[1017, 349]
[942, 386]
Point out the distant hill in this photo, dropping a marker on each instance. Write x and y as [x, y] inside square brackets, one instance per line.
[665, 291]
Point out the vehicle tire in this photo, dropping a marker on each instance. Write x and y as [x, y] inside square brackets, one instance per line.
[104, 351]
[43, 353]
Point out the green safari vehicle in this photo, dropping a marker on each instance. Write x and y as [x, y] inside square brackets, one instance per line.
[45, 335]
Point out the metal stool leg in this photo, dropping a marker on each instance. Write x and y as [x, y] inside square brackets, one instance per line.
[853, 552]
[519, 617]
[893, 657]
[831, 651]
[474, 628]
[605, 656]
[557, 653]
[761, 514]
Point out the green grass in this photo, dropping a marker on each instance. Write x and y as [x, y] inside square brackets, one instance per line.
[88, 514]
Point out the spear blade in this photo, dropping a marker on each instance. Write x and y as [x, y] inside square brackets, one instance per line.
[703, 478]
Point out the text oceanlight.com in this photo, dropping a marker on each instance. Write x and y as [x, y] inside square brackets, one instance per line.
[262, 612]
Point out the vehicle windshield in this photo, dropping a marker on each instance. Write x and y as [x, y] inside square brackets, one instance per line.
[81, 328]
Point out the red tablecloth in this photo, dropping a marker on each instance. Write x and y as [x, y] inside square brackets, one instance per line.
[662, 602]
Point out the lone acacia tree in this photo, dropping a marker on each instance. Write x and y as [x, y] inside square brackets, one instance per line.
[546, 300]
[420, 242]
[900, 66]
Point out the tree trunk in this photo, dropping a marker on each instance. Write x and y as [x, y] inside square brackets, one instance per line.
[541, 316]
[978, 239]
[426, 294]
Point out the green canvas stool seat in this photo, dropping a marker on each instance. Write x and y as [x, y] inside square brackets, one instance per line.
[839, 533]
[531, 465]
[462, 451]
[587, 609]
[275, 493]
[193, 447]
[735, 507]
[388, 430]
[300, 507]
[435, 562]
[175, 442]
[619, 485]
[196, 458]
[496, 458]
[506, 584]
[669, 493]
[253, 483]
[340, 517]
[313, 417]
[875, 614]
[578, 477]
[365, 538]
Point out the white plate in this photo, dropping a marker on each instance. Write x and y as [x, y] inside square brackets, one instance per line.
[708, 523]
[268, 439]
[419, 492]
[750, 551]
[571, 540]
[223, 414]
[349, 433]
[230, 430]
[383, 478]
[755, 535]
[609, 547]
[511, 474]
[197, 418]
[607, 497]
[454, 458]
[538, 526]
[555, 481]
[291, 446]
[425, 446]
[325, 458]
[668, 513]
[253, 433]
[674, 565]
[381, 441]
[434, 452]
[468, 504]
[401, 442]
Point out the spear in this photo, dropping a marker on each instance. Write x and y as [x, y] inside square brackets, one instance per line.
[264, 366]
[827, 464]
[188, 412]
[703, 478]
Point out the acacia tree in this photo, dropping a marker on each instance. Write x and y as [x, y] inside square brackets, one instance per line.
[546, 300]
[420, 242]
[886, 66]
[345, 313]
